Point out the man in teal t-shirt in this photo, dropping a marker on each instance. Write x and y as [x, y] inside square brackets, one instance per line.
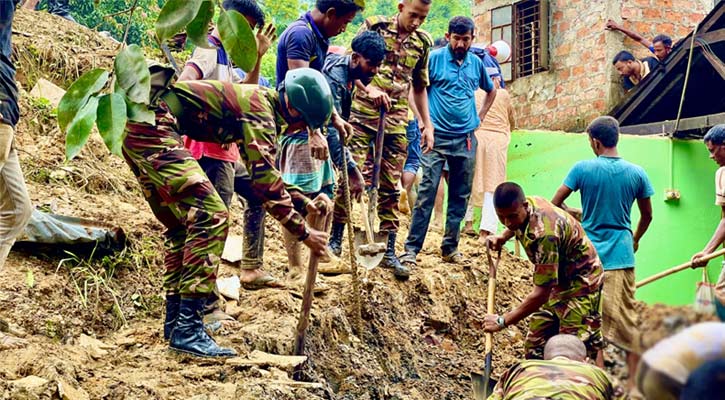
[609, 186]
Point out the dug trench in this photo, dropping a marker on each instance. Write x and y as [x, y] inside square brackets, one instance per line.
[94, 323]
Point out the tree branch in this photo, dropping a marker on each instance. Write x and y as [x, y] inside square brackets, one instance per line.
[128, 24]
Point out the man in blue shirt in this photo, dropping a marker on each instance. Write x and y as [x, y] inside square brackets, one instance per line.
[609, 186]
[455, 74]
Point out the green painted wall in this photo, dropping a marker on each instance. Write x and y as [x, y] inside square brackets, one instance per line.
[539, 161]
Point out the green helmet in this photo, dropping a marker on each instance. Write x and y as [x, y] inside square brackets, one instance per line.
[309, 93]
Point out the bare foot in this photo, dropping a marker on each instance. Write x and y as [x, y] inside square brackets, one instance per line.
[258, 279]
[482, 235]
[468, 229]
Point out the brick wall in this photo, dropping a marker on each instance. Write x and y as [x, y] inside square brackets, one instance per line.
[581, 83]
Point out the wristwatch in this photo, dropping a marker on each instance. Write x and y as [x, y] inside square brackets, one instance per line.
[501, 322]
[304, 235]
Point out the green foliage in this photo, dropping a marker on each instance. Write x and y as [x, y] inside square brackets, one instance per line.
[197, 29]
[80, 128]
[132, 74]
[78, 94]
[436, 23]
[238, 39]
[175, 16]
[100, 16]
[112, 120]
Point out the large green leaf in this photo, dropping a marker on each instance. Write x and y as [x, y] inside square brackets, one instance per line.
[175, 16]
[78, 94]
[198, 29]
[140, 113]
[238, 39]
[112, 121]
[132, 74]
[80, 128]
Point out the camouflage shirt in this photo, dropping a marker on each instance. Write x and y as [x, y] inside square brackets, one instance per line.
[402, 67]
[560, 379]
[251, 116]
[563, 256]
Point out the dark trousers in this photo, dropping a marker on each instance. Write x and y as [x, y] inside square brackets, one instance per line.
[221, 175]
[253, 245]
[460, 152]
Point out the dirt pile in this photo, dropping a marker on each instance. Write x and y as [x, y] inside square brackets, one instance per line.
[94, 324]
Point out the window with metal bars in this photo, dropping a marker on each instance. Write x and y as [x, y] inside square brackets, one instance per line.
[525, 26]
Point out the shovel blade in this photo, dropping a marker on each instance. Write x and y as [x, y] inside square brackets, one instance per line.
[482, 386]
[368, 255]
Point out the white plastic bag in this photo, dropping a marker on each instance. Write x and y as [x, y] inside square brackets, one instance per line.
[705, 295]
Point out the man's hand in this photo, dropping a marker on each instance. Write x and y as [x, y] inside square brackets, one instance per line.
[698, 260]
[575, 212]
[346, 130]
[317, 242]
[265, 37]
[378, 97]
[635, 245]
[323, 203]
[318, 145]
[611, 25]
[427, 140]
[357, 183]
[495, 243]
[490, 323]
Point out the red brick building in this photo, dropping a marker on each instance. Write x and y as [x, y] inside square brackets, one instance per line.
[560, 74]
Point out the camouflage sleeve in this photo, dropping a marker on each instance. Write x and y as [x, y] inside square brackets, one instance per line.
[421, 76]
[544, 254]
[258, 151]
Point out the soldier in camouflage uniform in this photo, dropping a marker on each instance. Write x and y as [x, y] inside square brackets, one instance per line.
[564, 374]
[341, 72]
[405, 65]
[185, 202]
[567, 272]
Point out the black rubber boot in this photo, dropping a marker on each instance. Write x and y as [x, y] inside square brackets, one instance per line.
[390, 260]
[172, 313]
[335, 244]
[189, 335]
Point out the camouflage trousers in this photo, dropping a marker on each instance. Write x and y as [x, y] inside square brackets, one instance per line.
[184, 201]
[580, 316]
[395, 150]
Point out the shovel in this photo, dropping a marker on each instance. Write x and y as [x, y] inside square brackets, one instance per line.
[483, 384]
[371, 253]
[319, 222]
[678, 268]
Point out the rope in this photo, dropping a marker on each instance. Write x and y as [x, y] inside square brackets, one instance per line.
[687, 78]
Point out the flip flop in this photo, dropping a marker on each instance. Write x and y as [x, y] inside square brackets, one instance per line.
[263, 282]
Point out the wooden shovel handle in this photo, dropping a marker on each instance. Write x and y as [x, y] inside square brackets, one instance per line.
[678, 268]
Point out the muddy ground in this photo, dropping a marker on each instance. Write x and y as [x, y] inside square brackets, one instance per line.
[94, 324]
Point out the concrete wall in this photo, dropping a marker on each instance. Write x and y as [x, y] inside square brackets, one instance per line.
[581, 82]
[539, 161]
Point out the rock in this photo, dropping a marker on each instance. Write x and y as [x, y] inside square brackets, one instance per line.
[30, 387]
[233, 249]
[262, 359]
[48, 90]
[229, 287]
[68, 392]
[233, 309]
[95, 348]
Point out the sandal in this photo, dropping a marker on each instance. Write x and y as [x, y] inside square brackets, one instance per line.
[454, 258]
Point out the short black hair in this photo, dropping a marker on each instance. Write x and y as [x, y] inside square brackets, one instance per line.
[342, 7]
[461, 25]
[623, 56]
[666, 40]
[440, 42]
[716, 135]
[370, 45]
[248, 8]
[507, 194]
[605, 129]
